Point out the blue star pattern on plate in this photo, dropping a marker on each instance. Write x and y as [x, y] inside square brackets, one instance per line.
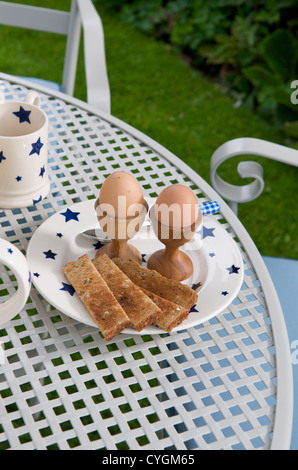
[10, 251]
[36, 147]
[49, 254]
[2, 158]
[216, 288]
[68, 288]
[206, 232]
[19, 178]
[233, 270]
[70, 215]
[193, 309]
[196, 285]
[23, 115]
[98, 245]
[59, 235]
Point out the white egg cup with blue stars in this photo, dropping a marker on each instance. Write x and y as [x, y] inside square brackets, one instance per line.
[13, 258]
[23, 153]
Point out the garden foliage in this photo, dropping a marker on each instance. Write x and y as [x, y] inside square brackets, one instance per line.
[250, 46]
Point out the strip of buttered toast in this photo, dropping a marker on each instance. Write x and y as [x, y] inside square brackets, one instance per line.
[139, 307]
[171, 315]
[97, 297]
[151, 280]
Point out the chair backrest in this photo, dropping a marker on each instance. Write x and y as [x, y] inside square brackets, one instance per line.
[82, 13]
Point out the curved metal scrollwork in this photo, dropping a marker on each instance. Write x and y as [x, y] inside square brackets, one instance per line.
[245, 146]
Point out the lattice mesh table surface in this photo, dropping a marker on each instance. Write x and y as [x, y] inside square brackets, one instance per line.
[63, 387]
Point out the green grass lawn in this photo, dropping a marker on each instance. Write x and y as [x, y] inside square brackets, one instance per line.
[155, 91]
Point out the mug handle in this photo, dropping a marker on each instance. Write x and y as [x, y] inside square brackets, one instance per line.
[33, 97]
[12, 257]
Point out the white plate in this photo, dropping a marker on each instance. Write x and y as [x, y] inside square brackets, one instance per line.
[217, 276]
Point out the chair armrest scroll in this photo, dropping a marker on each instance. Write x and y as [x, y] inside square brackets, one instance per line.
[247, 146]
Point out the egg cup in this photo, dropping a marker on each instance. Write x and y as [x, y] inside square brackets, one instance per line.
[120, 231]
[171, 262]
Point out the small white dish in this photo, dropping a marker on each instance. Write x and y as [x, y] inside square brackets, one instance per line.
[217, 277]
[13, 258]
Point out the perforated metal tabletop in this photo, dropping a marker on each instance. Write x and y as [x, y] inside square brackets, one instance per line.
[224, 384]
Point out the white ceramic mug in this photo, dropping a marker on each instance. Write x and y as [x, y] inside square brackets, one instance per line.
[13, 258]
[23, 152]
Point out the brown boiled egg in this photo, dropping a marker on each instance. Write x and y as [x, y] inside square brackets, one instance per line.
[121, 195]
[177, 206]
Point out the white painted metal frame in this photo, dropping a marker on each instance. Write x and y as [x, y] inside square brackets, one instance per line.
[83, 13]
[115, 134]
[247, 146]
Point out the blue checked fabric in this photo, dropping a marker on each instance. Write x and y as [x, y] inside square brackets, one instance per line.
[209, 207]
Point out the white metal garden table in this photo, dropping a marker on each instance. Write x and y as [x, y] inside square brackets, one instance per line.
[225, 383]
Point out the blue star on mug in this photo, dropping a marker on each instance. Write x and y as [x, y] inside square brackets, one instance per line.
[35, 201]
[23, 115]
[2, 157]
[36, 147]
[42, 171]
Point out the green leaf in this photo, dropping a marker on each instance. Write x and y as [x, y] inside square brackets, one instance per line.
[217, 54]
[282, 95]
[280, 53]
[268, 17]
[259, 75]
[277, 5]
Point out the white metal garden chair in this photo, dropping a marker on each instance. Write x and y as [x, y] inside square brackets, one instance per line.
[82, 13]
[284, 272]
